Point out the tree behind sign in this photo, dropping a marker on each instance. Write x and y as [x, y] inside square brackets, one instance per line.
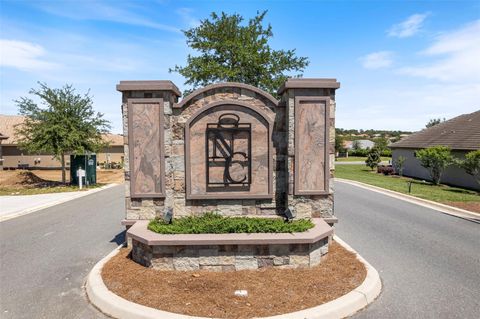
[65, 123]
[229, 51]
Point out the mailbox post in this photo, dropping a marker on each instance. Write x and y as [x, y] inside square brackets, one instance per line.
[80, 175]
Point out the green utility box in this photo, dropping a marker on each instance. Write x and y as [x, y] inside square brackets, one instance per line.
[87, 163]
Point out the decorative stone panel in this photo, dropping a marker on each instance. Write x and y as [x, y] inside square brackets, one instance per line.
[312, 173]
[236, 139]
[146, 162]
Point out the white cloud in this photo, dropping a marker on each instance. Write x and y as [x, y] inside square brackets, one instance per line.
[377, 60]
[188, 18]
[457, 55]
[95, 10]
[406, 106]
[409, 27]
[23, 55]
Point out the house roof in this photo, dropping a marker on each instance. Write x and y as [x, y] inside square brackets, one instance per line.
[460, 133]
[8, 137]
[7, 128]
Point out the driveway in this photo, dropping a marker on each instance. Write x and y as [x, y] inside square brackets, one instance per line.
[429, 262]
[45, 256]
[20, 204]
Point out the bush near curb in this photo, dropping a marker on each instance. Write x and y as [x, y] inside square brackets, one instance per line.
[212, 223]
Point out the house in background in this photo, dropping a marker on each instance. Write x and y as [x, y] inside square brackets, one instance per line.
[361, 144]
[461, 134]
[11, 156]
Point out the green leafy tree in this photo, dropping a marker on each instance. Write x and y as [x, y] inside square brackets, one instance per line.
[435, 159]
[399, 164]
[356, 145]
[434, 122]
[339, 143]
[235, 52]
[373, 158]
[381, 144]
[471, 164]
[64, 123]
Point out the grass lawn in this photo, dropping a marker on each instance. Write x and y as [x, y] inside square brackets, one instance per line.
[358, 159]
[441, 193]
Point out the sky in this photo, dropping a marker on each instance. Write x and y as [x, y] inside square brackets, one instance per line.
[400, 63]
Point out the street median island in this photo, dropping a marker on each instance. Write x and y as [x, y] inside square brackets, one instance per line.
[271, 291]
[228, 192]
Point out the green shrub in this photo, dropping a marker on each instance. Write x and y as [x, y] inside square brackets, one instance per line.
[435, 159]
[399, 164]
[358, 152]
[212, 223]
[386, 153]
[373, 158]
[471, 164]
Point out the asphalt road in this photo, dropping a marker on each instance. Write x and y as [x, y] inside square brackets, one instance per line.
[45, 256]
[429, 262]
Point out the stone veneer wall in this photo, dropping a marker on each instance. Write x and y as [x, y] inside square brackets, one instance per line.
[283, 153]
[229, 257]
[309, 205]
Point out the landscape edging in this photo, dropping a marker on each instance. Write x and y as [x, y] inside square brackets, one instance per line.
[446, 209]
[118, 307]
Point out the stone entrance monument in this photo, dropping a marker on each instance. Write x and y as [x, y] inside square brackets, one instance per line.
[230, 148]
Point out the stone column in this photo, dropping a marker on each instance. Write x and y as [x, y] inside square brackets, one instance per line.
[310, 119]
[150, 199]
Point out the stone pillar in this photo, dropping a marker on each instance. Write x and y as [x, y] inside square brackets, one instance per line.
[146, 109]
[310, 119]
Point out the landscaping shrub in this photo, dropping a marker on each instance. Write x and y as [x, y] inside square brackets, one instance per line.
[373, 158]
[399, 164]
[471, 164]
[386, 153]
[358, 152]
[386, 169]
[212, 223]
[435, 159]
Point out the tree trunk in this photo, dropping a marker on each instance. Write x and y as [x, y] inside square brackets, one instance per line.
[62, 160]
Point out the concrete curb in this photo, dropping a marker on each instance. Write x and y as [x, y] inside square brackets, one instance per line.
[117, 307]
[446, 209]
[61, 201]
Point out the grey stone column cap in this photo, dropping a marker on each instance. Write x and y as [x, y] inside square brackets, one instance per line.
[308, 83]
[156, 85]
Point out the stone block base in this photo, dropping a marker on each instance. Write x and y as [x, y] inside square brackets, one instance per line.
[229, 257]
[229, 252]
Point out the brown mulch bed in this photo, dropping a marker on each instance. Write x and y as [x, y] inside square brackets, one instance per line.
[24, 179]
[211, 294]
[471, 206]
[49, 178]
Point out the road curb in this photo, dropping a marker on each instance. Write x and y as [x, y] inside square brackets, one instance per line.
[446, 209]
[54, 203]
[117, 307]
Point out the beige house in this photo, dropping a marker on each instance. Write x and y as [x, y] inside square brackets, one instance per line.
[461, 134]
[11, 156]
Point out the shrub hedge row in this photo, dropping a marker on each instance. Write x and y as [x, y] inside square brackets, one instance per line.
[212, 223]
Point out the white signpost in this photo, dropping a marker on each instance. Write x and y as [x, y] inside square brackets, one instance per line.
[80, 175]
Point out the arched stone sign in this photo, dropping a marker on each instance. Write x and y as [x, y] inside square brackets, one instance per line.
[230, 148]
[228, 152]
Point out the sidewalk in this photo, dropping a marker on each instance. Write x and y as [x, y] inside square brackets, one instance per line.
[15, 206]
